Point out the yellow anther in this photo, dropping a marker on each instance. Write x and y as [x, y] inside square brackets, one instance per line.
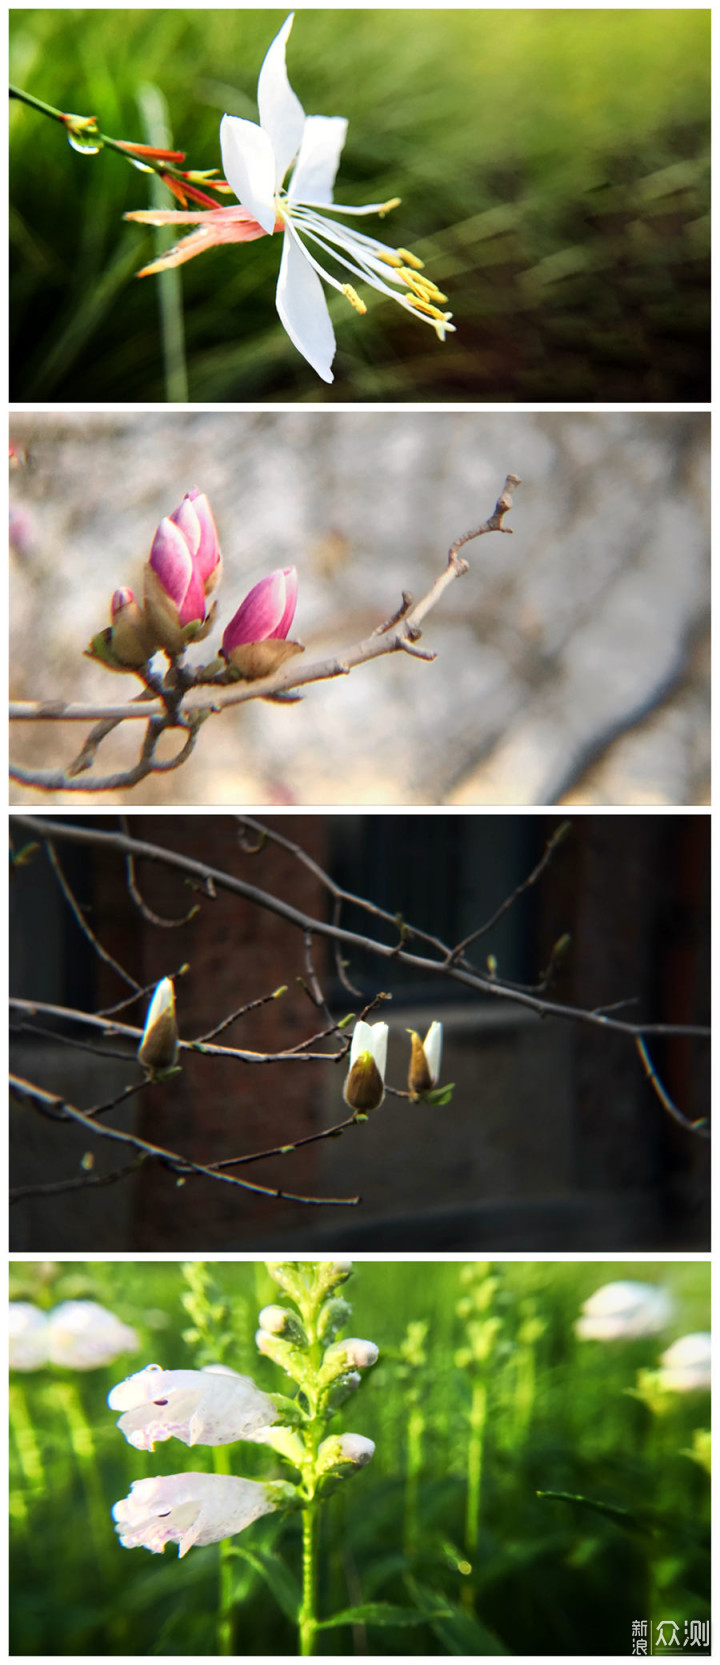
[352, 296]
[386, 207]
[424, 306]
[421, 286]
[411, 260]
[391, 259]
[428, 290]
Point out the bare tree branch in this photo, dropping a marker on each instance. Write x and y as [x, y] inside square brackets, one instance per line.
[58, 1109]
[184, 701]
[43, 828]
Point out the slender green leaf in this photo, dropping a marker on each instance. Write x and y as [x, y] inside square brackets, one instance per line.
[384, 1613]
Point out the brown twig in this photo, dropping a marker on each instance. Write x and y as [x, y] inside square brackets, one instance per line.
[58, 1108]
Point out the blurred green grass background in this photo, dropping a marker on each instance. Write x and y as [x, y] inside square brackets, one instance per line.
[544, 1577]
[554, 174]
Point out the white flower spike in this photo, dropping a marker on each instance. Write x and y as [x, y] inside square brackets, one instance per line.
[364, 1088]
[188, 1509]
[256, 161]
[199, 1407]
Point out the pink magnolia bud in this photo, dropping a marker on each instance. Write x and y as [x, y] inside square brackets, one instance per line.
[171, 559]
[184, 567]
[266, 613]
[194, 517]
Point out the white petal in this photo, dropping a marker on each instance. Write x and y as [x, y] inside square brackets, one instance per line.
[162, 1001]
[281, 114]
[188, 1509]
[198, 1407]
[318, 159]
[432, 1046]
[379, 1046]
[249, 166]
[303, 309]
[362, 1040]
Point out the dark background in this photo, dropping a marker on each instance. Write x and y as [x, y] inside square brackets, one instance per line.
[554, 1140]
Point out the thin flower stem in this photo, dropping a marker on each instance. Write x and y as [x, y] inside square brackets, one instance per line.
[224, 1629]
[478, 1410]
[154, 114]
[308, 1611]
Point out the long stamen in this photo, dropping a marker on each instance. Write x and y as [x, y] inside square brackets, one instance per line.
[414, 300]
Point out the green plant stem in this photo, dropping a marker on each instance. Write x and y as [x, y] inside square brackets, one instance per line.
[92, 133]
[308, 1611]
[478, 1410]
[155, 119]
[416, 1429]
[224, 1626]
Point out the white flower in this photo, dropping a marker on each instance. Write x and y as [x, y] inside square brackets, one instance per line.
[256, 160]
[425, 1060]
[365, 1084]
[83, 1335]
[159, 1045]
[28, 1340]
[686, 1366]
[624, 1311]
[188, 1509]
[199, 1407]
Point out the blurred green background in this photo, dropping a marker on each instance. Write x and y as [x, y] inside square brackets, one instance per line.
[541, 1411]
[554, 174]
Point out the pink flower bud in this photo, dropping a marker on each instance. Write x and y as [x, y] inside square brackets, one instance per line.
[194, 517]
[172, 562]
[266, 613]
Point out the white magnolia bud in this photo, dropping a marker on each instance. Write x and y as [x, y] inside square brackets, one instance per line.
[364, 1088]
[159, 1046]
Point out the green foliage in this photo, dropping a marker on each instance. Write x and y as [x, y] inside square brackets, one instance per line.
[624, 1536]
[553, 168]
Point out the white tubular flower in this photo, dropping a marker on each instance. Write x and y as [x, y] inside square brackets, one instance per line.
[256, 160]
[425, 1059]
[188, 1509]
[27, 1336]
[83, 1335]
[365, 1084]
[159, 1046]
[199, 1407]
[686, 1366]
[624, 1311]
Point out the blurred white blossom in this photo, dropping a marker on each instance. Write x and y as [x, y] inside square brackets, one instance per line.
[81, 1335]
[686, 1365]
[28, 1342]
[624, 1311]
